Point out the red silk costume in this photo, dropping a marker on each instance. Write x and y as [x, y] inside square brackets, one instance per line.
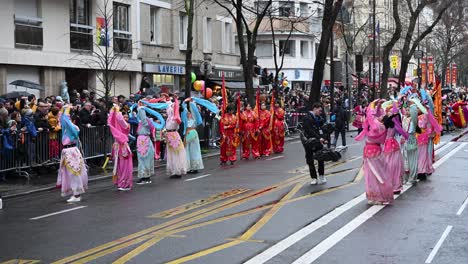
[228, 139]
[265, 133]
[278, 130]
[250, 134]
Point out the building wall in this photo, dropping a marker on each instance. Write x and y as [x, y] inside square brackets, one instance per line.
[8, 27]
[47, 65]
[28, 73]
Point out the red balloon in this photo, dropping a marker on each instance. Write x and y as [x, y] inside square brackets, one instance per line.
[209, 92]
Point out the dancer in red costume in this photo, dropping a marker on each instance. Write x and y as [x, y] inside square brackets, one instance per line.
[228, 139]
[250, 131]
[278, 129]
[265, 131]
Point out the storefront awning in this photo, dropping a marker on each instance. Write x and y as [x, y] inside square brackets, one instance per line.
[232, 85]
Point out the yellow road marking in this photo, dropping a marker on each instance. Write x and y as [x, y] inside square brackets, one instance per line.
[196, 204]
[246, 240]
[247, 234]
[137, 251]
[183, 220]
[148, 233]
[143, 247]
[20, 261]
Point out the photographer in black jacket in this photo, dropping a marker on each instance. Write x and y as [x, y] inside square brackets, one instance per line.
[313, 141]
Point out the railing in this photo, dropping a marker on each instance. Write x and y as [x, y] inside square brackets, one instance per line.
[45, 149]
[28, 34]
[81, 37]
[122, 42]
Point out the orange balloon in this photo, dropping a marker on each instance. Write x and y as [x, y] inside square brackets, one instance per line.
[199, 85]
[208, 92]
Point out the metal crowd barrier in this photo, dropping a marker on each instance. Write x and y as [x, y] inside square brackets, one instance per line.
[293, 120]
[45, 149]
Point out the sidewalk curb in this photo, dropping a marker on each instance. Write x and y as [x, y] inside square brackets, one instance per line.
[455, 139]
[99, 178]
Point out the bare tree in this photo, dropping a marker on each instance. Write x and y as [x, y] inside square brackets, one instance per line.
[331, 10]
[388, 48]
[410, 43]
[247, 31]
[108, 60]
[450, 37]
[189, 9]
[284, 25]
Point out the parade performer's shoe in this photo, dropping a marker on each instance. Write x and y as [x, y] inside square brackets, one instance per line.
[422, 176]
[222, 163]
[124, 189]
[176, 176]
[232, 163]
[314, 182]
[322, 179]
[74, 199]
[144, 181]
[193, 172]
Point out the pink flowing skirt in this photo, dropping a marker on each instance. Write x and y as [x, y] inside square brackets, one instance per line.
[73, 174]
[424, 160]
[395, 168]
[175, 155]
[379, 185]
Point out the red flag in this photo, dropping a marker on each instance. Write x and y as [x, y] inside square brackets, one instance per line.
[223, 95]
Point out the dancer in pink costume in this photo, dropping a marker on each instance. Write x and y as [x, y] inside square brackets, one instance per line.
[392, 156]
[379, 186]
[429, 127]
[121, 153]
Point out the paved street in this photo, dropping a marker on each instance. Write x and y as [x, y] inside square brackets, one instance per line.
[257, 211]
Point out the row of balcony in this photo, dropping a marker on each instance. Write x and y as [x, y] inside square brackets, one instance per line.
[30, 35]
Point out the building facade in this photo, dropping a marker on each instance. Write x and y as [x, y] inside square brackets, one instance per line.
[49, 41]
[163, 43]
[299, 47]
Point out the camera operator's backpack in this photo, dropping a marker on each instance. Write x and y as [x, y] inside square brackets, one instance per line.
[327, 155]
[310, 144]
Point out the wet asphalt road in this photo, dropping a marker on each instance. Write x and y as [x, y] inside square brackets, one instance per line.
[232, 214]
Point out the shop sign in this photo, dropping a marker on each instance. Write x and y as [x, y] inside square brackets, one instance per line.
[228, 74]
[164, 69]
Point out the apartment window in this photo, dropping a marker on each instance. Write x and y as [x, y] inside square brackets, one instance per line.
[207, 34]
[183, 26]
[260, 6]
[122, 34]
[305, 49]
[264, 50]
[228, 45]
[81, 33]
[286, 9]
[28, 24]
[288, 48]
[304, 9]
[155, 30]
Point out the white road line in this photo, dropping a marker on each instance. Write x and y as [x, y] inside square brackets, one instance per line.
[56, 213]
[199, 177]
[336, 237]
[449, 155]
[438, 146]
[302, 233]
[278, 157]
[444, 148]
[460, 211]
[439, 244]
[332, 240]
